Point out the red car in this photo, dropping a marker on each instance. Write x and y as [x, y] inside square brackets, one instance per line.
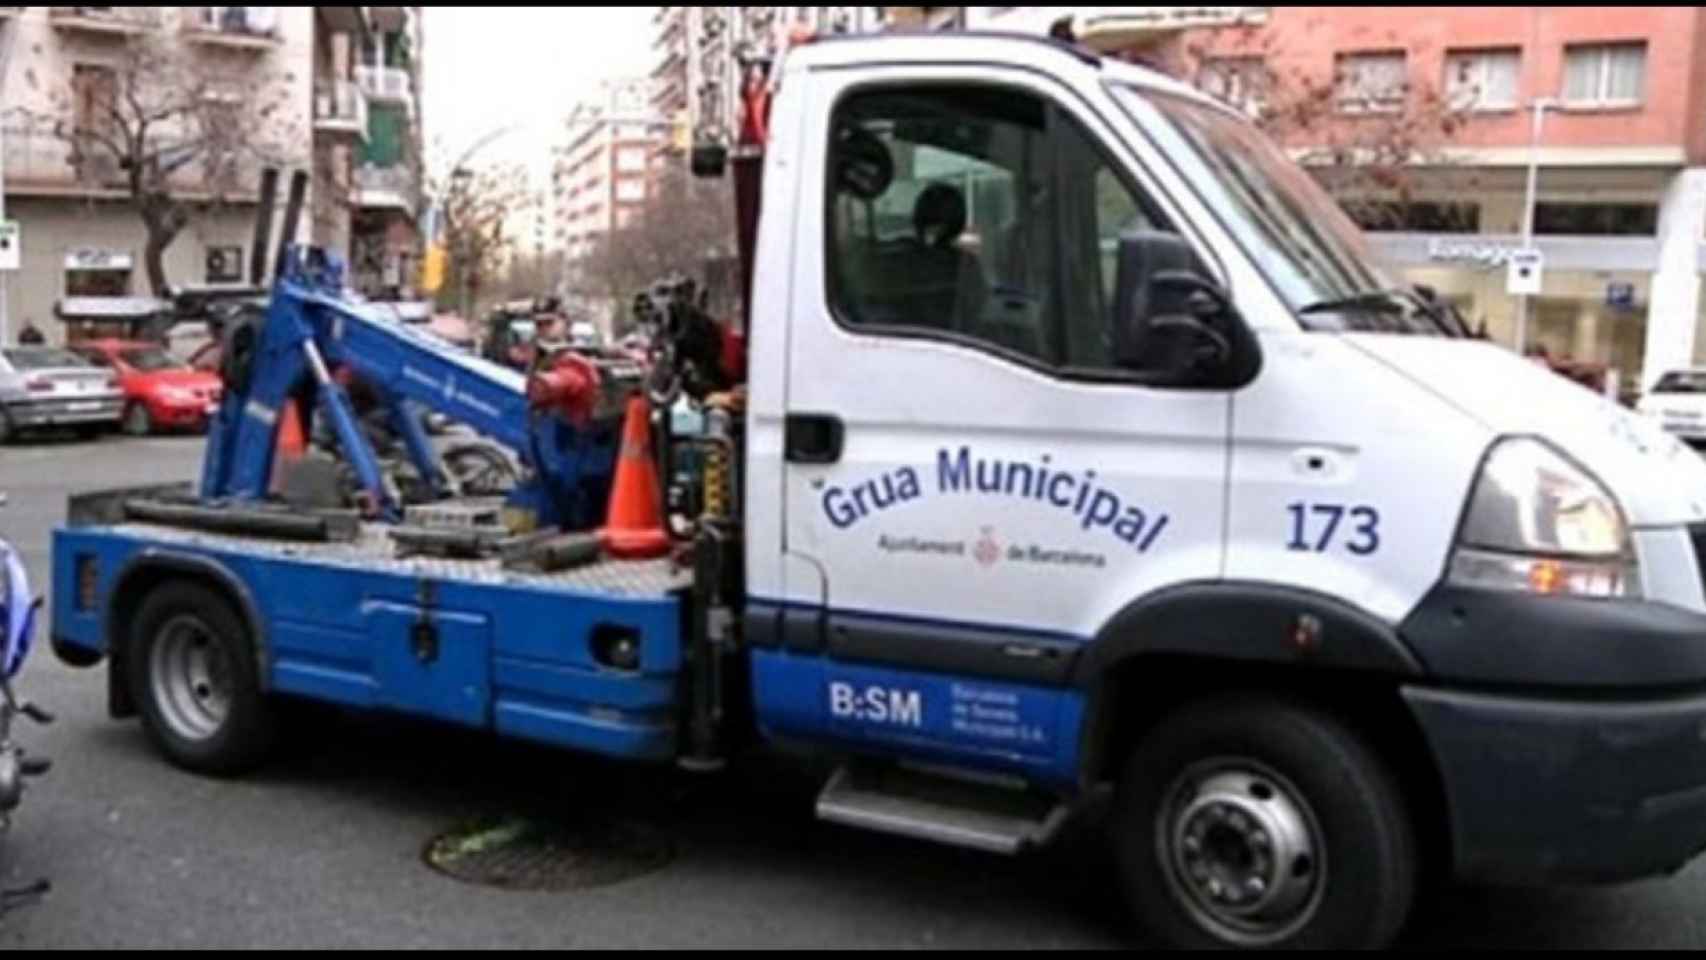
[161, 392]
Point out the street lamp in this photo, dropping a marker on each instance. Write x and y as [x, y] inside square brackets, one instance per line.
[1539, 105]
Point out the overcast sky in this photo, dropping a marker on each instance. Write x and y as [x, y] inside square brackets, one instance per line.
[487, 67]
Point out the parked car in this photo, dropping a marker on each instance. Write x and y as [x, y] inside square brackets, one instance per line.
[47, 387]
[1678, 402]
[161, 391]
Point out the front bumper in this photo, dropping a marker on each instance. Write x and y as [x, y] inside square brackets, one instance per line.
[37, 414]
[194, 414]
[1568, 790]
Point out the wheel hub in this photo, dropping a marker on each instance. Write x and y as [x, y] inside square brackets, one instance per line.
[1243, 853]
[191, 678]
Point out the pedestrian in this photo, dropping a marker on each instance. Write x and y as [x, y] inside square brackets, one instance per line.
[29, 336]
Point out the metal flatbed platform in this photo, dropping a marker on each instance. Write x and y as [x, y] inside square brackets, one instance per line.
[374, 551]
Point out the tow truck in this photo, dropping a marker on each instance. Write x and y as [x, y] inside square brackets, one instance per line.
[1077, 453]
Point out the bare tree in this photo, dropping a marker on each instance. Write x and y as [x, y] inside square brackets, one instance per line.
[173, 126]
[685, 227]
[479, 205]
[1377, 150]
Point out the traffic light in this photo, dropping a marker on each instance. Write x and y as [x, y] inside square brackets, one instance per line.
[432, 268]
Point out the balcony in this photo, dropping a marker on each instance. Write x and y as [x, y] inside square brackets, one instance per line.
[242, 28]
[110, 21]
[388, 19]
[385, 188]
[340, 112]
[40, 164]
[387, 84]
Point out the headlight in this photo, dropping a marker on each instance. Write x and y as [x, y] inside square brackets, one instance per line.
[1540, 524]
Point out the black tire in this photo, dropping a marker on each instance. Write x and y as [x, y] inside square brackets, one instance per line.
[137, 422]
[1361, 882]
[481, 468]
[247, 727]
[8, 432]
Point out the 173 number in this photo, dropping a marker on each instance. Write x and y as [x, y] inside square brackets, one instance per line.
[1315, 525]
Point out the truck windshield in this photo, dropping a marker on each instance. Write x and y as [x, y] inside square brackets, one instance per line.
[1297, 235]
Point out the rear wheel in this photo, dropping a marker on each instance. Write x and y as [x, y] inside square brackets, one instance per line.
[137, 421]
[1263, 824]
[8, 432]
[193, 676]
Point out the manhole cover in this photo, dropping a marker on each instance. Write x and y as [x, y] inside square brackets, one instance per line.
[522, 854]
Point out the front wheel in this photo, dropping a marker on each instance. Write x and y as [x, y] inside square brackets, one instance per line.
[1263, 824]
[137, 421]
[193, 675]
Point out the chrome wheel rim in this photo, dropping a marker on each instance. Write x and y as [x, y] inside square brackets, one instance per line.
[190, 673]
[1242, 851]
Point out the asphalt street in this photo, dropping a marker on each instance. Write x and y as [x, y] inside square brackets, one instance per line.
[324, 847]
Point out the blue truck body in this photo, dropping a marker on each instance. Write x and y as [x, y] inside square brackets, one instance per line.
[515, 651]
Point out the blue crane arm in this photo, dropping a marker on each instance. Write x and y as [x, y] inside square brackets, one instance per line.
[310, 327]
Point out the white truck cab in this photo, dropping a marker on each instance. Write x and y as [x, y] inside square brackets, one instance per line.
[1066, 379]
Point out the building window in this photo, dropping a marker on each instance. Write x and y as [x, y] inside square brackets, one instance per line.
[1605, 75]
[631, 160]
[1370, 82]
[1239, 82]
[1482, 79]
[1597, 219]
[1384, 216]
[630, 190]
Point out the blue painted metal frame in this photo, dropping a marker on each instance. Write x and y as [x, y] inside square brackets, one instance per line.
[310, 325]
[514, 658]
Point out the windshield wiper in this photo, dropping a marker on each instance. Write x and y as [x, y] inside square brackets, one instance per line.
[1378, 301]
[1398, 302]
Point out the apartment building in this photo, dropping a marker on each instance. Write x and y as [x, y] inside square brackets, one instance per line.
[602, 172]
[385, 197]
[697, 73]
[81, 233]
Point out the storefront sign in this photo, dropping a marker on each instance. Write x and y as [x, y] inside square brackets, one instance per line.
[1524, 274]
[1485, 255]
[11, 244]
[94, 258]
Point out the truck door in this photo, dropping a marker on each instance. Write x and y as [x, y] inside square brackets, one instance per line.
[978, 484]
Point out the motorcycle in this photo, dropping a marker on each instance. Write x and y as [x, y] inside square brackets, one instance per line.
[18, 609]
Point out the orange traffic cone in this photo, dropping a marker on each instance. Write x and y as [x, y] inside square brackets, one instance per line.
[291, 444]
[633, 527]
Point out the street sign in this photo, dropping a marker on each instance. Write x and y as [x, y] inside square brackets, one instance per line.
[11, 244]
[1620, 295]
[1523, 278]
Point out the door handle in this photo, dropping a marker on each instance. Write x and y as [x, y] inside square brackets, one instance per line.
[812, 438]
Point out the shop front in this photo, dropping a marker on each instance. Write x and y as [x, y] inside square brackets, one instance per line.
[1590, 318]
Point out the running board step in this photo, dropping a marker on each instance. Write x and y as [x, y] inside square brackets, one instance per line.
[989, 816]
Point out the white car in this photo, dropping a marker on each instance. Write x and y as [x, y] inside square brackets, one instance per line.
[1678, 402]
[48, 387]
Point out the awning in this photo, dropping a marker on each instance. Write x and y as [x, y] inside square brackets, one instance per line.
[109, 308]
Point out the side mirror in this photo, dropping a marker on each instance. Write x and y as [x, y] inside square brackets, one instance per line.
[1172, 324]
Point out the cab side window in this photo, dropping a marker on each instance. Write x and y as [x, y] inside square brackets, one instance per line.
[976, 213]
